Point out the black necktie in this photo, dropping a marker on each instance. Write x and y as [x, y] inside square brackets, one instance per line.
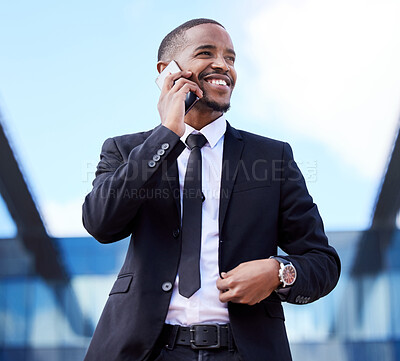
[189, 266]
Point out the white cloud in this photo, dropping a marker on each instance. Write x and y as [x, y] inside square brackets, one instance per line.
[64, 219]
[331, 69]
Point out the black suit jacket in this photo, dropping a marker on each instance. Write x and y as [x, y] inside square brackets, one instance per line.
[264, 204]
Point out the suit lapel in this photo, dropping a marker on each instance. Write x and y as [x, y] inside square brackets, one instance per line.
[233, 147]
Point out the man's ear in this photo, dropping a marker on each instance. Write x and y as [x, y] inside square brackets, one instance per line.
[161, 65]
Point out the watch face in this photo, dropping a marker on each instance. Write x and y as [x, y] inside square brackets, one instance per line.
[289, 275]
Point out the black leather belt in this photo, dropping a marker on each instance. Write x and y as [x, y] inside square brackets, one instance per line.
[198, 336]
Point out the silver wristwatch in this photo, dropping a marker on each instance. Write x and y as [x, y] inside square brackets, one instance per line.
[287, 272]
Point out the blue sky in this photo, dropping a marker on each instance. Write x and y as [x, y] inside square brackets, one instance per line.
[321, 75]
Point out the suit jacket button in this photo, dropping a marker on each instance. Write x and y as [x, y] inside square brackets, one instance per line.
[151, 163]
[160, 152]
[166, 286]
[156, 157]
[176, 232]
[165, 146]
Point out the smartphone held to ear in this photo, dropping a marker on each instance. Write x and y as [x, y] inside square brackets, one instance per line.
[172, 68]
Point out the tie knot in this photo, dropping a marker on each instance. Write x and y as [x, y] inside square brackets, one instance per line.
[196, 140]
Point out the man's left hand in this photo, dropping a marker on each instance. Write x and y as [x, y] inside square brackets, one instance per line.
[250, 282]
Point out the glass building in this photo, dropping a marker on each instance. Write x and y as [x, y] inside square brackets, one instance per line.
[52, 291]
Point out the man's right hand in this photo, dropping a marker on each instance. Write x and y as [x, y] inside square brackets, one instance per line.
[171, 104]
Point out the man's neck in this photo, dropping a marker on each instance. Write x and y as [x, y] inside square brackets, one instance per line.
[199, 118]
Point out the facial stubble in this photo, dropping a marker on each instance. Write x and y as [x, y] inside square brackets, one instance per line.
[210, 103]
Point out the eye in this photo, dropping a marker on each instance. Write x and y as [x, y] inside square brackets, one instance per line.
[230, 59]
[206, 53]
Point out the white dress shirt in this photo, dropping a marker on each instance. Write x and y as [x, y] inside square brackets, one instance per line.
[204, 305]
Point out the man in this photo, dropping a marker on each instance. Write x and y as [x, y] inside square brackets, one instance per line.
[206, 206]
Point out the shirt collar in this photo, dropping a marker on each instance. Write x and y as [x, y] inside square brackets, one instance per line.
[213, 131]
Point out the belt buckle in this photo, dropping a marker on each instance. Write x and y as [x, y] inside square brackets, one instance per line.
[192, 331]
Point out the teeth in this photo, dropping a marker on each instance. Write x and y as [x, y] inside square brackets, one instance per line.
[217, 81]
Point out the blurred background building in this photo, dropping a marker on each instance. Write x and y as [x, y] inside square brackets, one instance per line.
[53, 289]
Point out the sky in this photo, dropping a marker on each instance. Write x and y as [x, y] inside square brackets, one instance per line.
[321, 75]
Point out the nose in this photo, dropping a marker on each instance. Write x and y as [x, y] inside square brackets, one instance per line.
[220, 63]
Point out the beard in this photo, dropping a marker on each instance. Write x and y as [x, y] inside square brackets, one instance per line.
[218, 107]
[207, 101]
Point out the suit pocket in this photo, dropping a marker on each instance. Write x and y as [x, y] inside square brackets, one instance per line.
[250, 185]
[122, 284]
[274, 309]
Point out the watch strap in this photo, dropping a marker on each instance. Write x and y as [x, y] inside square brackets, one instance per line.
[281, 260]
[283, 293]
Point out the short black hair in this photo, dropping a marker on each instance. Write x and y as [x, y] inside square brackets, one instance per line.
[175, 38]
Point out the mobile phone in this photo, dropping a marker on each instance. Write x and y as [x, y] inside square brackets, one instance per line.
[172, 68]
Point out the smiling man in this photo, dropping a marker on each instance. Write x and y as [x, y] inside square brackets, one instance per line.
[206, 206]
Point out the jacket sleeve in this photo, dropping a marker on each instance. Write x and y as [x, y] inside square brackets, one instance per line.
[119, 188]
[302, 237]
